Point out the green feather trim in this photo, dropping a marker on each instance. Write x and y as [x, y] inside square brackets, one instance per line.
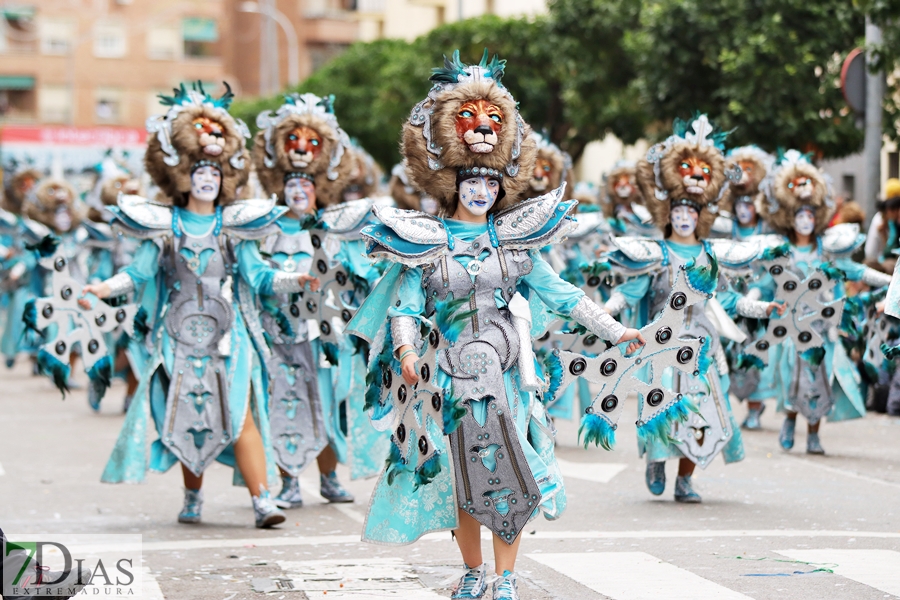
[596, 430]
[703, 278]
[452, 411]
[814, 356]
[890, 352]
[658, 428]
[56, 370]
[833, 273]
[450, 321]
[430, 469]
[748, 361]
[554, 369]
[776, 252]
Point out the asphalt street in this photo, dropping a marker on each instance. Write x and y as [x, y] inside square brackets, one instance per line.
[779, 524]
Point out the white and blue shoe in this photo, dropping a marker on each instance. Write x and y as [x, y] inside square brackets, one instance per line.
[473, 584]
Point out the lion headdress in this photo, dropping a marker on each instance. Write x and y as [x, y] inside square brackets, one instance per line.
[620, 187]
[468, 125]
[793, 183]
[552, 168]
[754, 163]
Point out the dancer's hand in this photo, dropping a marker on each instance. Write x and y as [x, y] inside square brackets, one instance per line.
[777, 307]
[312, 281]
[408, 365]
[101, 290]
[629, 335]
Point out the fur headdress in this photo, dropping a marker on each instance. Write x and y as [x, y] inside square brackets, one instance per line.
[611, 199]
[662, 184]
[13, 198]
[404, 194]
[365, 174]
[781, 205]
[559, 164]
[179, 140]
[330, 169]
[435, 154]
[49, 195]
[749, 184]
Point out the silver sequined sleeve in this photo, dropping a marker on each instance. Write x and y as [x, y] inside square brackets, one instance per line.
[404, 332]
[875, 279]
[754, 309]
[615, 304]
[286, 283]
[120, 285]
[597, 320]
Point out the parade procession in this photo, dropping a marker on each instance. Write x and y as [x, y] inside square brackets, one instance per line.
[463, 313]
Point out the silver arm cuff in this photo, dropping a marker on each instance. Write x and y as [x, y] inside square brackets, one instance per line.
[616, 303]
[404, 332]
[286, 283]
[597, 320]
[755, 309]
[120, 285]
[875, 279]
[754, 294]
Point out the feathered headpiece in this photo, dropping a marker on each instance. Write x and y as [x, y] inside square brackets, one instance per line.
[435, 154]
[196, 127]
[748, 186]
[330, 169]
[662, 184]
[781, 201]
[365, 174]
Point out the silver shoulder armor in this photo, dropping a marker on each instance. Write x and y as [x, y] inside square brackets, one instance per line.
[146, 213]
[640, 211]
[525, 225]
[734, 253]
[346, 217]
[842, 239]
[639, 249]
[246, 211]
[722, 226]
[412, 225]
[589, 223]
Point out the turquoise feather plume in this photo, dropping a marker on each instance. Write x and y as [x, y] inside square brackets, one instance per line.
[703, 278]
[814, 356]
[394, 464]
[141, 326]
[452, 412]
[450, 321]
[100, 376]
[373, 377]
[748, 361]
[29, 317]
[332, 352]
[56, 370]
[833, 273]
[658, 428]
[890, 352]
[430, 469]
[776, 252]
[596, 430]
[706, 356]
[46, 247]
[554, 370]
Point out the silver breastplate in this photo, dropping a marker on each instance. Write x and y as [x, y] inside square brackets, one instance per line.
[291, 253]
[488, 345]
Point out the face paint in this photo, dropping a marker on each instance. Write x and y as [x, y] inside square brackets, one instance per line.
[745, 212]
[206, 182]
[300, 195]
[695, 174]
[428, 205]
[478, 194]
[62, 220]
[804, 222]
[684, 220]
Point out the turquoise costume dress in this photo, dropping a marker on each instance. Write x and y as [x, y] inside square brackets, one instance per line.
[18, 231]
[205, 331]
[503, 441]
[652, 264]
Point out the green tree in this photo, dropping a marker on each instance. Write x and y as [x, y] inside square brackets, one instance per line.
[767, 68]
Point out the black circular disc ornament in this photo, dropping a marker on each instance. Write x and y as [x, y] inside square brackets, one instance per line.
[325, 327]
[577, 366]
[609, 403]
[321, 266]
[401, 394]
[828, 312]
[815, 284]
[608, 367]
[685, 354]
[120, 315]
[66, 292]
[423, 445]
[776, 269]
[679, 300]
[789, 286]
[655, 397]
[805, 337]
[663, 335]
[780, 331]
[47, 311]
[59, 264]
[60, 348]
[401, 433]
[93, 346]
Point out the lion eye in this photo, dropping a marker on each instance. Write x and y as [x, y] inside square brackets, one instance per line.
[467, 114]
[547, 168]
[706, 170]
[791, 185]
[292, 137]
[198, 125]
[684, 165]
[315, 142]
[496, 118]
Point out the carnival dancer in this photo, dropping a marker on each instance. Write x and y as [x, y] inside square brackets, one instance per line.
[406, 196]
[743, 201]
[22, 281]
[623, 202]
[301, 158]
[467, 147]
[819, 381]
[364, 175]
[683, 179]
[204, 384]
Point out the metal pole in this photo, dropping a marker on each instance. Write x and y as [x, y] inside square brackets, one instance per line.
[263, 66]
[293, 44]
[872, 148]
[459, 10]
[272, 34]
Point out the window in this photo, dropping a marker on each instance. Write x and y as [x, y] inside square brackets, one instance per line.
[894, 164]
[848, 185]
[56, 36]
[17, 97]
[109, 106]
[200, 37]
[164, 43]
[110, 41]
[55, 104]
[19, 28]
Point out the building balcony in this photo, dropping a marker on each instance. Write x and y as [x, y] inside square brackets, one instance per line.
[330, 29]
[370, 8]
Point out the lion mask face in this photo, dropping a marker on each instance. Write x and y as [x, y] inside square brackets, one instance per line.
[802, 187]
[478, 123]
[210, 134]
[303, 145]
[748, 174]
[624, 185]
[540, 178]
[695, 174]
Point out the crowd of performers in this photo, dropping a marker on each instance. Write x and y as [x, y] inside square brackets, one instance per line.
[269, 308]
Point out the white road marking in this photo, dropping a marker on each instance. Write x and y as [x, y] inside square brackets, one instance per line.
[357, 579]
[2, 472]
[879, 569]
[590, 471]
[348, 511]
[635, 576]
[319, 540]
[843, 472]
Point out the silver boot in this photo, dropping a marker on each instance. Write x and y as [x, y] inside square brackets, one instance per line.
[813, 444]
[472, 585]
[786, 437]
[265, 511]
[506, 588]
[655, 477]
[684, 491]
[193, 503]
[332, 490]
[289, 496]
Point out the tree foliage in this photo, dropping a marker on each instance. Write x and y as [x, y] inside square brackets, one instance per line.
[767, 68]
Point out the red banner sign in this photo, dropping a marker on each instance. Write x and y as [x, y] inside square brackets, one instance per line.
[112, 137]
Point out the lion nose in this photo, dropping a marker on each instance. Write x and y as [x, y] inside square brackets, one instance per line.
[484, 130]
[697, 177]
